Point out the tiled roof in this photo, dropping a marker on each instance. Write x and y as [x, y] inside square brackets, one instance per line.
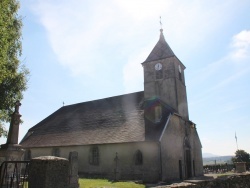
[111, 120]
[160, 51]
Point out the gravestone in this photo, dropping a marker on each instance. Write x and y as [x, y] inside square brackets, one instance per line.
[49, 172]
[240, 167]
[73, 169]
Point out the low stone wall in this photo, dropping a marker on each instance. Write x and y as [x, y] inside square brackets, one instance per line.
[233, 181]
[229, 182]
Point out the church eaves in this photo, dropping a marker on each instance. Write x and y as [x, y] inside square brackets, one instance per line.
[160, 51]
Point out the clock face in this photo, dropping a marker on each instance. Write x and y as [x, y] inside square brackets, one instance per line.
[179, 68]
[158, 66]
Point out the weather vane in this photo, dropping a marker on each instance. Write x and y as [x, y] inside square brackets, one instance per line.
[160, 22]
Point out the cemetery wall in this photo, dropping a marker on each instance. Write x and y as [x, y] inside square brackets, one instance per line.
[233, 181]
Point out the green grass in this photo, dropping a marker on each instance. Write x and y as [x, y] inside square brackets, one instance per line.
[103, 183]
[225, 174]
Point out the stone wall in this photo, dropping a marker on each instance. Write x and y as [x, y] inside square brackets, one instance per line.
[49, 172]
[173, 136]
[234, 181]
[175, 163]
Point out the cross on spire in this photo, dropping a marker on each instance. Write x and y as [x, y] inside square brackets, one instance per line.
[161, 25]
[160, 22]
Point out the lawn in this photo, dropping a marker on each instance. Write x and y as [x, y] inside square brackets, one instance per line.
[103, 183]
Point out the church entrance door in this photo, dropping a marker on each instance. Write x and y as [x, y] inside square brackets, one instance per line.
[188, 164]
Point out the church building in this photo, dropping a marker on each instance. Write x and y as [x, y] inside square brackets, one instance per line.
[145, 135]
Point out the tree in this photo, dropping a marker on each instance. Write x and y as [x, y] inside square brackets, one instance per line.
[241, 156]
[13, 75]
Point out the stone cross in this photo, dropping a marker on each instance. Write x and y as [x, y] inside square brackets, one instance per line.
[116, 159]
[14, 125]
[18, 104]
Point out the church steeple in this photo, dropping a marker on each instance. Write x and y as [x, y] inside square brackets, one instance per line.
[161, 50]
[164, 77]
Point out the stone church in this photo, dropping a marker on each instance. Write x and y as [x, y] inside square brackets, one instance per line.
[145, 135]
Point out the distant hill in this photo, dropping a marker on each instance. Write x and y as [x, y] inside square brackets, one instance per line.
[206, 155]
[217, 160]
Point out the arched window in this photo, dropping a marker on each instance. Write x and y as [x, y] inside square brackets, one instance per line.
[56, 152]
[138, 158]
[94, 156]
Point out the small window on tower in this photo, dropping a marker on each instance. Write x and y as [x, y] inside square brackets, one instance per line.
[158, 113]
[180, 77]
[158, 74]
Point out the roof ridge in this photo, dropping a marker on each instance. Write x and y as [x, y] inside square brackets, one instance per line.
[105, 98]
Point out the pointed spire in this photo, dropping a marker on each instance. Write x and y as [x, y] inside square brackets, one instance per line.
[161, 50]
[161, 30]
[161, 35]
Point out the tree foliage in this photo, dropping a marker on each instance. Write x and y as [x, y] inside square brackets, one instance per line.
[241, 156]
[13, 75]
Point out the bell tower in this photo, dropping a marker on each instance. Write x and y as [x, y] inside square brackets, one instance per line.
[164, 77]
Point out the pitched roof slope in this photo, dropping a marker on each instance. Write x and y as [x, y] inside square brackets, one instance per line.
[160, 51]
[110, 120]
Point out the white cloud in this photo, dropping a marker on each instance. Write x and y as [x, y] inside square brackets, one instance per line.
[76, 29]
[241, 45]
[240, 52]
[74, 32]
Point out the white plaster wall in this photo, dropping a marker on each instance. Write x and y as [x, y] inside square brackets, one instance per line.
[149, 171]
[172, 149]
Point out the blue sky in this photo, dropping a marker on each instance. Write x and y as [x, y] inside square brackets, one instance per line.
[78, 51]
